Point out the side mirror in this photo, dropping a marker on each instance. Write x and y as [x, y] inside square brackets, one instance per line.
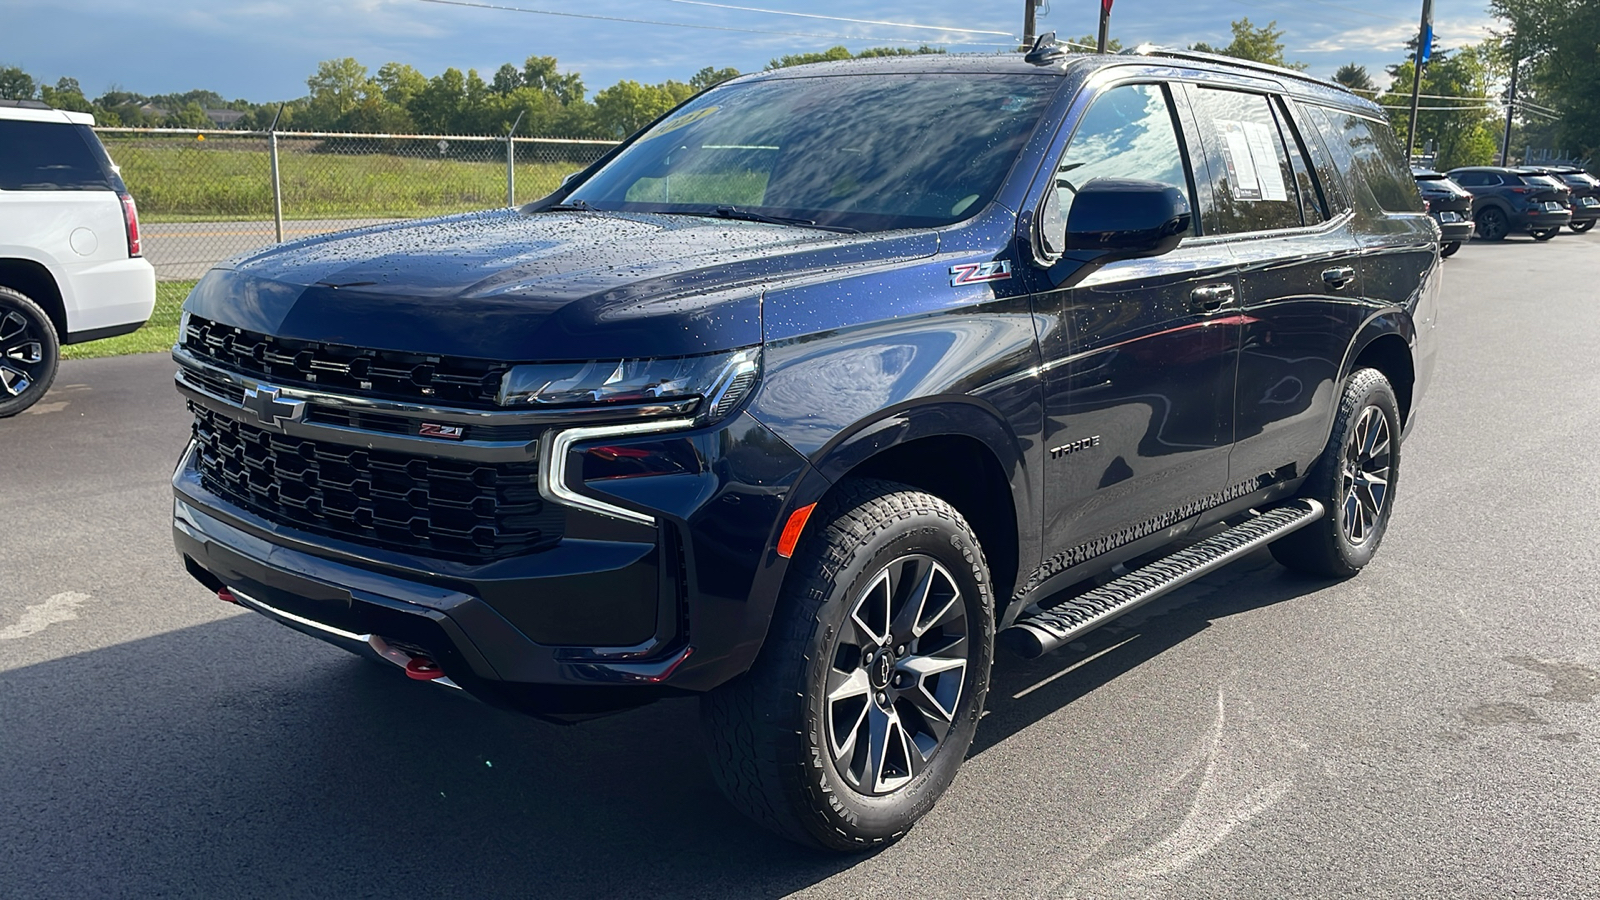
[1126, 219]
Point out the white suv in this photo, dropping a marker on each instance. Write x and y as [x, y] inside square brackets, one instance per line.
[70, 268]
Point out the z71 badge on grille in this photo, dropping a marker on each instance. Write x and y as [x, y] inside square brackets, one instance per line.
[972, 273]
[448, 432]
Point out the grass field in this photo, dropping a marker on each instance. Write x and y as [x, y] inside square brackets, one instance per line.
[157, 335]
[230, 179]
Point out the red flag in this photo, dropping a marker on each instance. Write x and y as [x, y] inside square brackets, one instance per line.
[1105, 6]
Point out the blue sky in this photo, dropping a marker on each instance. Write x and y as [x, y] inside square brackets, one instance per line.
[263, 49]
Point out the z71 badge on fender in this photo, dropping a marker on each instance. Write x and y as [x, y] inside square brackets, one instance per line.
[972, 273]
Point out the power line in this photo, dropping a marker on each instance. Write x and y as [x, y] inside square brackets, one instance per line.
[780, 12]
[831, 37]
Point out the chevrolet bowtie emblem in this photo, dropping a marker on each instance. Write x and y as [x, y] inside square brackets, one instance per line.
[264, 400]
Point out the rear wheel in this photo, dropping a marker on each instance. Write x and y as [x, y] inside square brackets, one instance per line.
[1581, 227]
[1544, 234]
[1492, 224]
[1354, 479]
[863, 702]
[29, 352]
[1449, 249]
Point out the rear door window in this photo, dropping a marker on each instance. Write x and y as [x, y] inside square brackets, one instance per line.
[1254, 187]
[51, 156]
[1371, 159]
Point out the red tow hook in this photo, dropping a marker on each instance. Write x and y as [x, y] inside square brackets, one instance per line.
[226, 596]
[421, 668]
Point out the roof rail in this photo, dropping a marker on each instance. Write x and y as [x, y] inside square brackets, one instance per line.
[1267, 68]
[26, 104]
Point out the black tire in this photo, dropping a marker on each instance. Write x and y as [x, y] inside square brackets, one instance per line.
[1581, 227]
[1450, 248]
[790, 757]
[1331, 547]
[1492, 224]
[1544, 234]
[29, 352]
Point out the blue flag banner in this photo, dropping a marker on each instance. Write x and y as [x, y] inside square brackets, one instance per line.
[1425, 47]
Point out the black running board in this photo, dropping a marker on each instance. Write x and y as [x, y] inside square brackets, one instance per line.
[1051, 628]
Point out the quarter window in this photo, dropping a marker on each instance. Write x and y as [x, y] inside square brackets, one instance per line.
[1254, 188]
[1127, 132]
[1367, 152]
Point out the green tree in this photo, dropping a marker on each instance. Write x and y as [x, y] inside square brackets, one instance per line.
[539, 73]
[1263, 44]
[711, 77]
[801, 59]
[1463, 132]
[1558, 45]
[507, 78]
[1355, 77]
[400, 83]
[189, 115]
[338, 86]
[15, 84]
[627, 106]
[436, 106]
[67, 95]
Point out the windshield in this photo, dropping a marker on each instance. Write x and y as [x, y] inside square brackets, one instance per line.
[865, 152]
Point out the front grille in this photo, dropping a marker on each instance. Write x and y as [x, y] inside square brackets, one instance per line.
[386, 374]
[437, 507]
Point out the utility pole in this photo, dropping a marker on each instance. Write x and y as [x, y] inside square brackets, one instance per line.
[1424, 50]
[1511, 104]
[1105, 25]
[1027, 23]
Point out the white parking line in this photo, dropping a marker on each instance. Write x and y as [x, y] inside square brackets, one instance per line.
[60, 608]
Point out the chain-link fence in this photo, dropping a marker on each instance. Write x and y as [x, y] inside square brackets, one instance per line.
[208, 195]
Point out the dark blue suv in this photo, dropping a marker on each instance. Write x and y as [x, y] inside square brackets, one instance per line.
[816, 387]
[1509, 200]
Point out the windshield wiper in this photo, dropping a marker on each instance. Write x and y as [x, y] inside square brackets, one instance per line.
[745, 215]
[571, 205]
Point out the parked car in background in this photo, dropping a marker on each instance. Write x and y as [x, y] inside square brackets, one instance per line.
[1450, 204]
[1585, 195]
[1505, 201]
[70, 264]
[810, 391]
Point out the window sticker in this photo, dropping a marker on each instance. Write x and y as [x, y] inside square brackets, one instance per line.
[1268, 171]
[1241, 165]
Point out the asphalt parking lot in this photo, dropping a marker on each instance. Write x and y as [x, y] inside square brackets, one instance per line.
[1427, 729]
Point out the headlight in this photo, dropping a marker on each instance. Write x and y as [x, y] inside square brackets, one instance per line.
[717, 380]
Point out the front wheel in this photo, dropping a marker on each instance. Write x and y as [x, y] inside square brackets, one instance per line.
[1354, 479]
[1450, 248]
[1581, 227]
[864, 699]
[1544, 234]
[29, 352]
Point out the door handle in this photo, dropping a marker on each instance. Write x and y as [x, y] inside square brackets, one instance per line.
[1211, 297]
[1338, 276]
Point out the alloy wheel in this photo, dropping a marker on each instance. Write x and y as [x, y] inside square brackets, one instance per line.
[22, 357]
[895, 681]
[1364, 481]
[1492, 225]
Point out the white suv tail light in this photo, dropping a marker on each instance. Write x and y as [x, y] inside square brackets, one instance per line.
[130, 217]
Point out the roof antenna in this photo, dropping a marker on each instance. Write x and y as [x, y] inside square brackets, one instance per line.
[1045, 49]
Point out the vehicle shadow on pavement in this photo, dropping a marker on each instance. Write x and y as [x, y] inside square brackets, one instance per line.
[136, 771]
[1022, 692]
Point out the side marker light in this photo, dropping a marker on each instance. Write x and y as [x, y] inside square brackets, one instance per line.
[792, 530]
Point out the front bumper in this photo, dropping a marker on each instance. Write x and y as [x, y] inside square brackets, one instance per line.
[555, 633]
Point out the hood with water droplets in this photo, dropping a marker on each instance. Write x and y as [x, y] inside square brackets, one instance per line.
[513, 286]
